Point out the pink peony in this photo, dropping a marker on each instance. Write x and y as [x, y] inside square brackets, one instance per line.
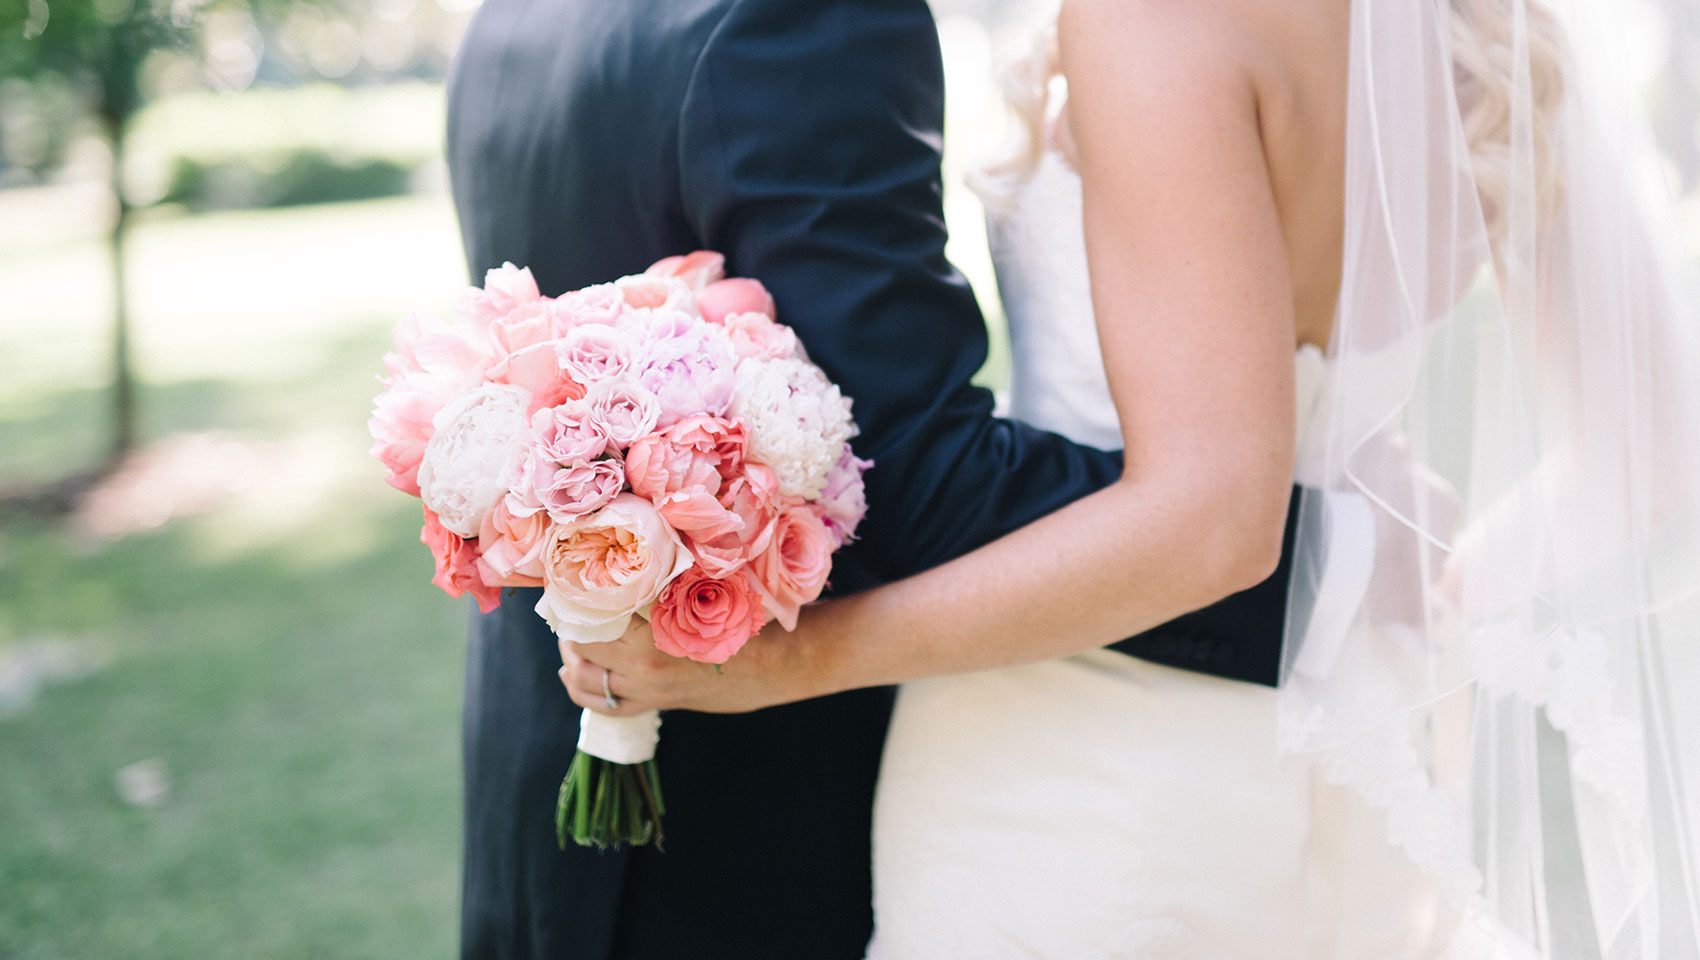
[432, 363]
[757, 335]
[706, 619]
[752, 498]
[680, 470]
[596, 351]
[457, 564]
[511, 548]
[602, 568]
[505, 288]
[792, 570]
[717, 301]
[474, 439]
[603, 303]
[690, 374]
[697, 269]
[570, 492]
[624, 410]
[843, 501]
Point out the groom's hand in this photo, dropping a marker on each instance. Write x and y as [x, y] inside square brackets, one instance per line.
[643, 678]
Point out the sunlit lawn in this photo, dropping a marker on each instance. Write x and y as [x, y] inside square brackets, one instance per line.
[280, 656]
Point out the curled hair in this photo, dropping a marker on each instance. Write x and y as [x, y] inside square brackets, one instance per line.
[1482, 35]
[1485, 75]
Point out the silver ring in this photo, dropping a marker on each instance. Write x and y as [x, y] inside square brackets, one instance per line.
[608, 699]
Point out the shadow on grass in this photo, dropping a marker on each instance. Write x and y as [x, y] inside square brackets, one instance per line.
[302, 703]
[45, 435]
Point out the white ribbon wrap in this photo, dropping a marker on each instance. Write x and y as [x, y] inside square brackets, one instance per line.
[620, 739]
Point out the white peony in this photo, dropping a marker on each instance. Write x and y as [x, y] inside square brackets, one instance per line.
[476, 435]
[797, 421]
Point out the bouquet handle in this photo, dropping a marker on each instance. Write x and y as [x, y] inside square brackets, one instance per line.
[611, 795]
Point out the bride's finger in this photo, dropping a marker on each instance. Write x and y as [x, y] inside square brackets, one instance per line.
[590, 685]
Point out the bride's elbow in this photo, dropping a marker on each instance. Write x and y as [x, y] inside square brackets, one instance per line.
[1245, 550]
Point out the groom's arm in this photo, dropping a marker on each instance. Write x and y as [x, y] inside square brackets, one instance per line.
[809, 154]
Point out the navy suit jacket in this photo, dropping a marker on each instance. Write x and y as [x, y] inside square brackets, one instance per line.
[801, 138]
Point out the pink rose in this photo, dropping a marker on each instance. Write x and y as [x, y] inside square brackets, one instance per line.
[511, 548]
[570, 492]
[530, 323]
[752, 498]
[432, 363]
[602, 303]
[595, 351]
[457, 564]
[717, 301]
[642, 292]
[623, 409]
[697, 269]
[505, 288]
[569, 433]
[757, 335]
[680, 470]
[535, 367]
[602, 568]
[690, 374]
[563, 389]
[705, 619]
[792, 570]
[843, 501]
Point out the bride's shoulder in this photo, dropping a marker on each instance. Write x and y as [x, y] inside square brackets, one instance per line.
[1252, 44]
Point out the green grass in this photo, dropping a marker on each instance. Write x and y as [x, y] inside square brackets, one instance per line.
[283, 655]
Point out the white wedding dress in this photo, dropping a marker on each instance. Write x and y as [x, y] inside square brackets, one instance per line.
[1099, 805]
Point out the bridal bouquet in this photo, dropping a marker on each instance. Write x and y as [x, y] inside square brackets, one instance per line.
[658, 446]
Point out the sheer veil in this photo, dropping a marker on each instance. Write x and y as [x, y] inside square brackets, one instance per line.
[1494, 633]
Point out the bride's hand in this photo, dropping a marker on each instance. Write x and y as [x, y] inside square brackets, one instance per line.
[643, 678]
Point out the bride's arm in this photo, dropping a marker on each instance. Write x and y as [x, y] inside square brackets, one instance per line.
[1194, 308]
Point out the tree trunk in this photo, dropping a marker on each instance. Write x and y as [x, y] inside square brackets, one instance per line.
[123, 411]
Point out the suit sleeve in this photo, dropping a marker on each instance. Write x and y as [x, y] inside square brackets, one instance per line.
[809, 154]
[809, 150]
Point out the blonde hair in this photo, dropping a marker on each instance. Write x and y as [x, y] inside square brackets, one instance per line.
[1481, 33]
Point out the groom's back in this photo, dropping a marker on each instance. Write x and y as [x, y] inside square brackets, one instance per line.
[563, 122]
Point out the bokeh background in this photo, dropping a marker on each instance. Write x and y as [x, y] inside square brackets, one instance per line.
[229, 696]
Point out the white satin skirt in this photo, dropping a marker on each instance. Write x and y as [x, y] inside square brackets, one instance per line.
[1101, 806]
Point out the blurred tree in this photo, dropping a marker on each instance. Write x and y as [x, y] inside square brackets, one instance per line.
[101, 48]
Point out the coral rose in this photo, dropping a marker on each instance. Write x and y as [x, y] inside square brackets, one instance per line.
[752, 498]
[706, 619]
[457, 564]
[792, 570]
